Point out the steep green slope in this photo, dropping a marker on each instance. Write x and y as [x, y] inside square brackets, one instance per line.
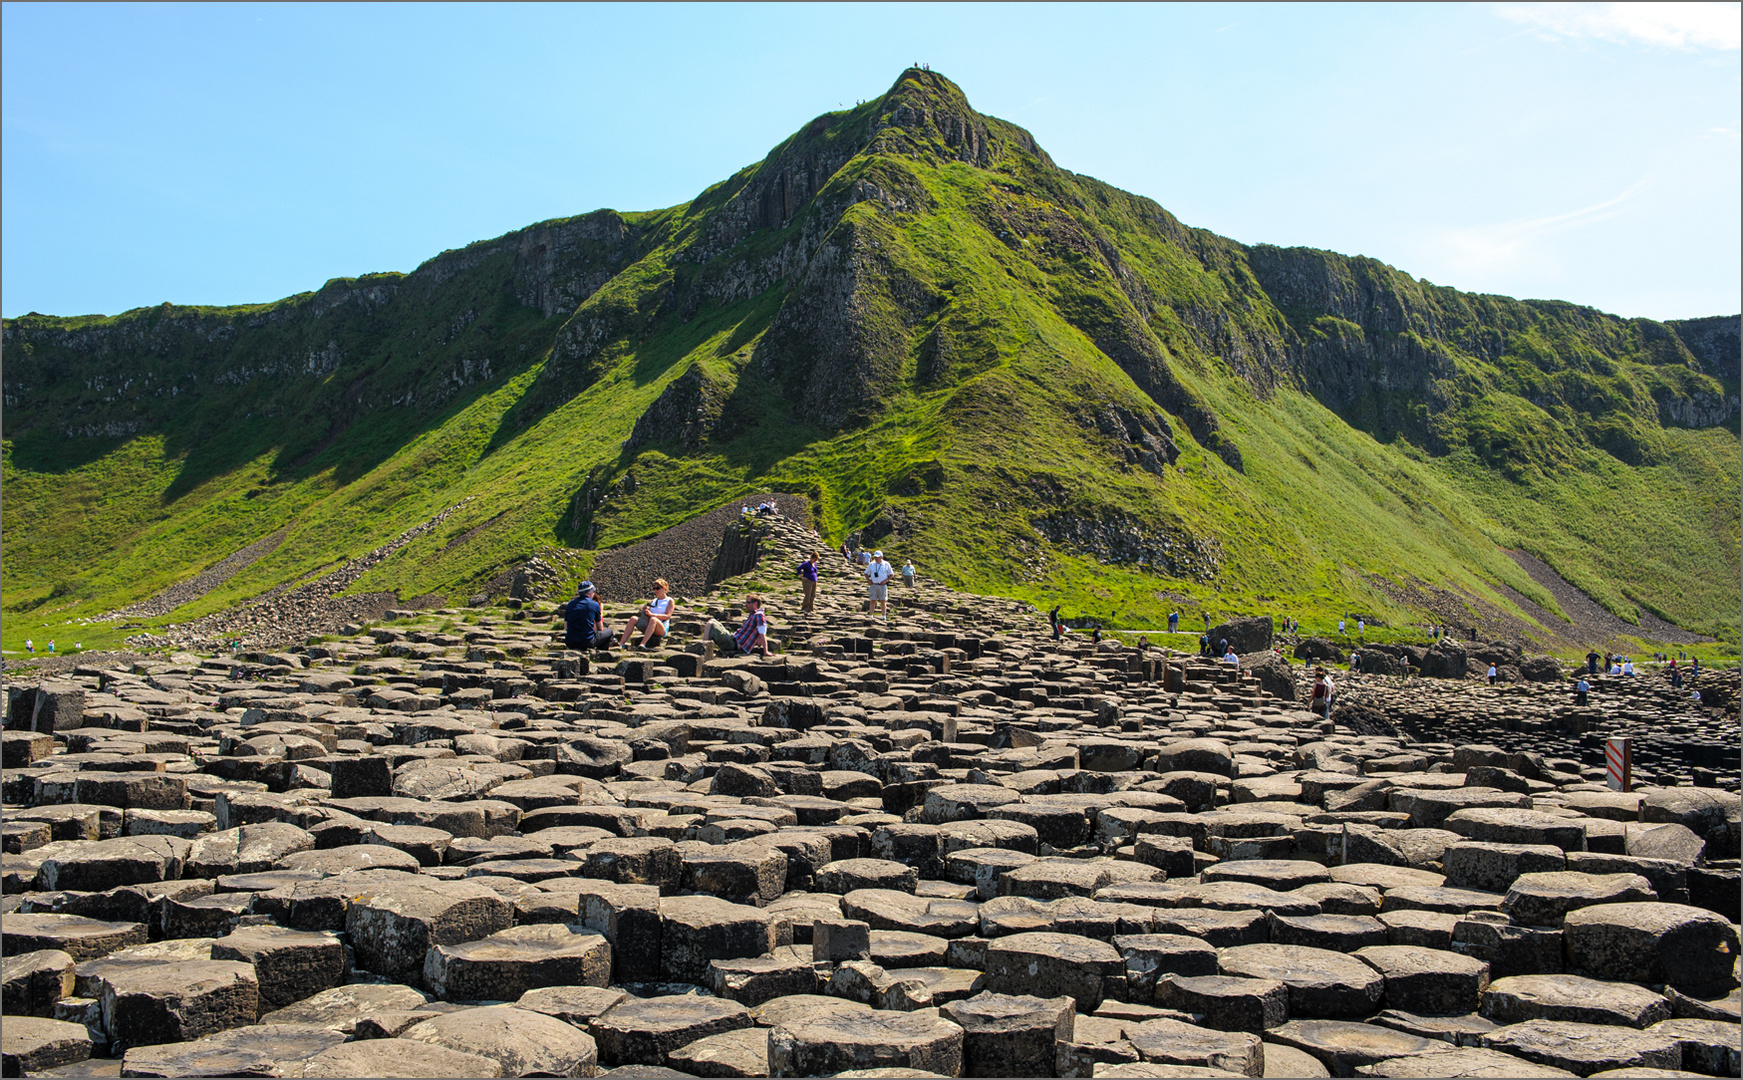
[1033, 383]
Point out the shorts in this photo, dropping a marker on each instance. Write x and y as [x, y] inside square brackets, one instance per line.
[642, 620]
[879, 590]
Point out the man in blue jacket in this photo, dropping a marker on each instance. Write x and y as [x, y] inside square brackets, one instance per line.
[584, 622]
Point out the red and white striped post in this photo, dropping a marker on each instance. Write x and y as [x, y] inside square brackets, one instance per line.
[1619, 764]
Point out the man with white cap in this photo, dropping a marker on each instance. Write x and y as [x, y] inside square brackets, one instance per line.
[878, 595]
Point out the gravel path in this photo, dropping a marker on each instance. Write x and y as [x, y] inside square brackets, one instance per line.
[681, 554]
[289, 615]
[200, 584]
[1591, 621]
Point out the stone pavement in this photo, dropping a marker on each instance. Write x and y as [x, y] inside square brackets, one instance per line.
[940, 845]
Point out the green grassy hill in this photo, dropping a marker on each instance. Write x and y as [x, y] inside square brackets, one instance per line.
[1034, 384]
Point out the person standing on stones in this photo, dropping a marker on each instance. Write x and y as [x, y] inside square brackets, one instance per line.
[808, 580]
[1675, 676]
[908, 573]
[1582, 691]
[1592, 659]
[1320, 702]
[584, 621]
[654, 616]
[1494, 675]
[1355, 663]
[877, 572]
[1204, 644]
[1054, 624]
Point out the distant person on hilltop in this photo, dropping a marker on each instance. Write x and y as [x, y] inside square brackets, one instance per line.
[808, 581]
[1341, 625]
[29, 646]
[584, 621]
[1173, 621]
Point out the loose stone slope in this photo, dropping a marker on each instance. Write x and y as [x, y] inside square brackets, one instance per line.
[939, 845]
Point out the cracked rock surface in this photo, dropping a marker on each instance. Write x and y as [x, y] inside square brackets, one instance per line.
[935, 845]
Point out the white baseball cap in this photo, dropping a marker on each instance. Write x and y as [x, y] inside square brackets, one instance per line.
[877, 554]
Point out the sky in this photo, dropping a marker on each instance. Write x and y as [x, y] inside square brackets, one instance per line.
[224, 154]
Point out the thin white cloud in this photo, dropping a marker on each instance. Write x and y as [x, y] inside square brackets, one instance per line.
[1512, 246]
[1684, 26]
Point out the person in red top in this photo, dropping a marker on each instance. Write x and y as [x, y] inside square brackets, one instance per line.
[1321, 701]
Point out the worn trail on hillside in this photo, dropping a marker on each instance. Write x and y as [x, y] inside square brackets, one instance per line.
[188, 591]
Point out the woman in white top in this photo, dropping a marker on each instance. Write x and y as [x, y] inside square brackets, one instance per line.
[653, 616]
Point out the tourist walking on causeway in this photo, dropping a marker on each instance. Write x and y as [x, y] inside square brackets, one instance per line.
[877, 572]
[908, 573]
[584, 622]
[654, 617]
[808, 579]
[1054, 624]
[1582, 691]
[752, 636]
[1493, 675]
[1320, 702]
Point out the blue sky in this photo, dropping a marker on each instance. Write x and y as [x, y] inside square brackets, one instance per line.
[223, 154]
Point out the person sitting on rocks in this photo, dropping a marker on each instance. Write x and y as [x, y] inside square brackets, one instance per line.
[1582, 691]
[1628, 667]
[1320, 702]
[1616, 665]
[1230, 658]
[654, 617]
[751, 637]
[584, 621]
